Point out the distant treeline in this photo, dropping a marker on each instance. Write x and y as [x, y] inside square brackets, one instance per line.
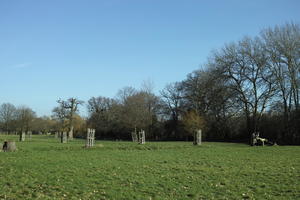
[247, 86]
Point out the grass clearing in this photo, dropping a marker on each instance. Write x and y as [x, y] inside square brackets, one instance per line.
[43, 168]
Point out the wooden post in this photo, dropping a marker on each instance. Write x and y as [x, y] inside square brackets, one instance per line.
[64, 137]
[90, 138]
[197, 137]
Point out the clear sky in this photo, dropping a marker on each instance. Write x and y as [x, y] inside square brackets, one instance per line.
[69, 48]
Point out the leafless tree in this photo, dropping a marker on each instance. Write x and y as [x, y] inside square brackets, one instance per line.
[103, 114]
[99, 104]
[25, 116]
[61, 115]
[124, 93]
[71, 107]
[282, 43]
[172, 102]
[7, 115]
[43, 124]
[245, 66]
[205, 91]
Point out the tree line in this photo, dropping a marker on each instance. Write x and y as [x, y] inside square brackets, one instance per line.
[251, 85]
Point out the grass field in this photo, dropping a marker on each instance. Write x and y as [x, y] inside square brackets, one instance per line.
[43, 168]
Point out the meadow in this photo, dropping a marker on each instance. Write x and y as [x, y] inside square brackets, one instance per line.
[43, 168]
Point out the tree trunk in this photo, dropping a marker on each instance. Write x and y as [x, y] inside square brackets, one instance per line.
[70, 137]
[90, 138]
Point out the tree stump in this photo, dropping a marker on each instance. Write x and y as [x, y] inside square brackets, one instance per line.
[9, 146]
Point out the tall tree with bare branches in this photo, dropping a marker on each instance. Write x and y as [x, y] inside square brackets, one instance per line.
[71, 107]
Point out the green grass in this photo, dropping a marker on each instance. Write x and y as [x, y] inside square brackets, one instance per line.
[43, 168]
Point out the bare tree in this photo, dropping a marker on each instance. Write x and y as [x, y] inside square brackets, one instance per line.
[124, 93]
[282, 43]
[193, 122]
[172, 99]
[43, 124]
[60, 114]
[148, 86]
[99, 104]
[246, 67]
[152, 104]
[135, 111]
[7, 115]
[25, 116]
[71, 107]
[103, 114]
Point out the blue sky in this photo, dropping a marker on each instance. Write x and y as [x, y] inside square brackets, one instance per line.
[69, 48]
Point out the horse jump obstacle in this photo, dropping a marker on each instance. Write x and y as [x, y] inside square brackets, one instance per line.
[256, 139]
[197, 137]
[90, 138]
[134, 136]
[142, 137]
